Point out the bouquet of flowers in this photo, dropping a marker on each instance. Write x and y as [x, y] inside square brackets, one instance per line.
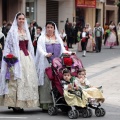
[10, 59]
[67, 61]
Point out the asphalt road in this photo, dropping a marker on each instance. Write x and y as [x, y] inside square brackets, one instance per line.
[95, 58]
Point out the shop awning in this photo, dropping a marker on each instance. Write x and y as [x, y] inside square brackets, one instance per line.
[86, 3]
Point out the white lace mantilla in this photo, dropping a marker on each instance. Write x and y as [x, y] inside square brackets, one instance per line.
[12, 46]
[41, 61]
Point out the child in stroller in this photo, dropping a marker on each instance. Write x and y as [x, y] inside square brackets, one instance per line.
[58, 93]
[93, 94]
[72, 94]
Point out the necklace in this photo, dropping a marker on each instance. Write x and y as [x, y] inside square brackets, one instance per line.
[21, 31]
[50, 36]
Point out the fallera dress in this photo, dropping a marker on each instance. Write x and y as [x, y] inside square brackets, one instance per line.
[52, 46]
[23, 92]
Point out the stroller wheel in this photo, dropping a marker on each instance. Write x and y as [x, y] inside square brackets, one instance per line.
[98, 112]
[103, 112]
[77, 113]
[90, 112]
[73, 114]
[85, 113]
[52, 110]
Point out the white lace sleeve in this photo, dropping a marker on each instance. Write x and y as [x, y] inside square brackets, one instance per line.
[41, 47]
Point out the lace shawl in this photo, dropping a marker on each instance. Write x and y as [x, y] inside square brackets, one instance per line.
[12, 46]
[41, 61]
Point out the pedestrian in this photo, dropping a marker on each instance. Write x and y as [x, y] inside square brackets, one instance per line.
[20, 90]
[98, 35]
[90, 43]
[32, 31]
[106, 32]
[84, 39]
[74, 32]
[2, 41]
[35, 23]
[4, 31]
[39, 29]
[64, 38]
[112, 38]
[9, 24]
[70, 36]
[50, 45]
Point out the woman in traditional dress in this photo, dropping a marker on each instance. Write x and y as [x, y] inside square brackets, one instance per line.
[91, 42]
[112, 39]
[21, 90]
[50, 45]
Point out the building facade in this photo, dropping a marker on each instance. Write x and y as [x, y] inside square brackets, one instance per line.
[59, 10]
[39, 10]
[111, 11]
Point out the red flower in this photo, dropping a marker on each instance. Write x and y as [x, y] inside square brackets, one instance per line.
[10, 59]
[67, 61]
[9, 56]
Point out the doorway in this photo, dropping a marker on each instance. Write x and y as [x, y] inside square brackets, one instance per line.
[52, 12]
[110, 15]
[4, 10]
[80, 18]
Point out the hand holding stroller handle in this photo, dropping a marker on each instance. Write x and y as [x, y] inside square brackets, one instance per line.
[48, 60]
[48, 57]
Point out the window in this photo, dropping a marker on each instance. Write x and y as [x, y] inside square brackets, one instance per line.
[30, 10]
[110, 2]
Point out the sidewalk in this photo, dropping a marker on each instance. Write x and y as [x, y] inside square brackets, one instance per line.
[107, 74]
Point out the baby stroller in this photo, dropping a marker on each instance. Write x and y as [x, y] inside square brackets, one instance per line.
[54, 73]
[95, 104]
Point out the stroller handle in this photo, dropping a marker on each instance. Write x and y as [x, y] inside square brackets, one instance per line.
[49, 59]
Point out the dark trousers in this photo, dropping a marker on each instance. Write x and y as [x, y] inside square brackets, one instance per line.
[98, 41]
[83, 45]
[35, 48]
[69, 41]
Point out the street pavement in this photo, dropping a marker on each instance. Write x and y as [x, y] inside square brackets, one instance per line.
[102, 69]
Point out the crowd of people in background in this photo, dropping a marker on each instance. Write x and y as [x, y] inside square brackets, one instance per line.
[91, 39]
[88, 39]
